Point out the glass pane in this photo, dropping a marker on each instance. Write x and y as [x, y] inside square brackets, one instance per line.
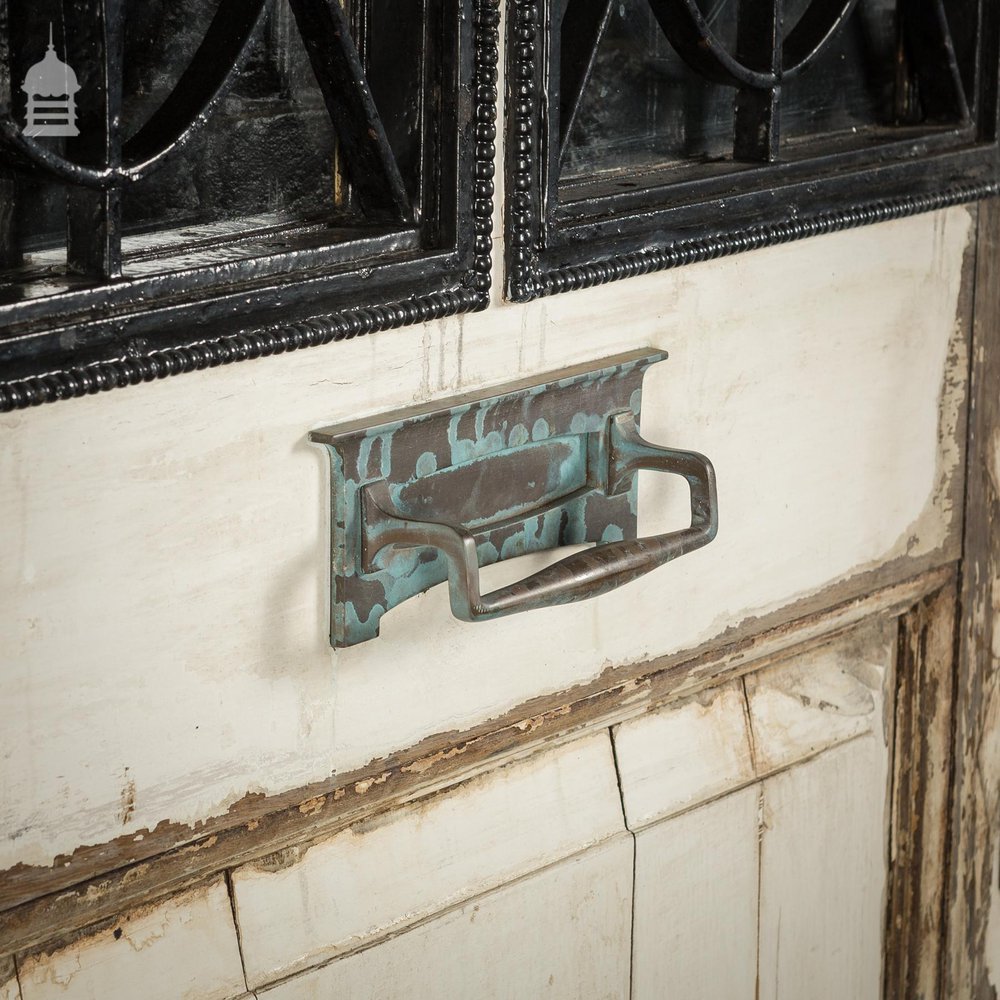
[267, 155]
[643, 107]
[851, 84]
[267, 149]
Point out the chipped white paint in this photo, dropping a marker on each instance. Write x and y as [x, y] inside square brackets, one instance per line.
[183, 949]
[696, 903]
[688, 753]
[163, 581]
[823, 870]
[672, 759]
[9, 989]
[992, 938]
[405, 865]
[561, 933]
[786, 874]
[821, 698]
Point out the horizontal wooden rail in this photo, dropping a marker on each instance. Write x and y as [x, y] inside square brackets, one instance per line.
[97, 884]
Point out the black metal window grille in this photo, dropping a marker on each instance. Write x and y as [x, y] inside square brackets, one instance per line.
[249, 176]
[648, 133]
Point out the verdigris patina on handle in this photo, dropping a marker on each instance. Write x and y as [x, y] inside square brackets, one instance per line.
[434, 492]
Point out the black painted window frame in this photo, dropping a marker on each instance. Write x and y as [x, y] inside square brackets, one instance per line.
[555, 246]
[128, 331]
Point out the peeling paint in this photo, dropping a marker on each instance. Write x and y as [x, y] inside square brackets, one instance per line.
[201, 845]
[136, 873]
[426, 763]
[992, 459]
[279, 860]
[362, 787]
[991, 938]
[183, 946]
[530, 725]
[127, 799]
[312, 806]
[588, 702]
[423, 682]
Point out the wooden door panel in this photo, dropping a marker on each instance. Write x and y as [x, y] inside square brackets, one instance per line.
[822, 877]
[695, 932]
[684, 755]
[313, 903]
[561, 933]
[190, 570]
[780, 885]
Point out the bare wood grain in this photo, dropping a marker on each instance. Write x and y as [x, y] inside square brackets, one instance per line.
[972, 966]
[920, 789]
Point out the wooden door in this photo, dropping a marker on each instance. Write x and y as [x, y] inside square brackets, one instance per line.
[767, 770]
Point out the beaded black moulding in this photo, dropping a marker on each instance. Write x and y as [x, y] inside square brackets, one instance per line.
[583, 210]
[100, 330]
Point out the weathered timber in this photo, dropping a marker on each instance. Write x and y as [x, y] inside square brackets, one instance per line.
[918, 842]
[96, 883]
[972, 966]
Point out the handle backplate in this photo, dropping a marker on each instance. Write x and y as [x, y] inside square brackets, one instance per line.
[435, 492]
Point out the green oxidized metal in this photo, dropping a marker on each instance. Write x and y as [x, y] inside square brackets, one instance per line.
[432, 493]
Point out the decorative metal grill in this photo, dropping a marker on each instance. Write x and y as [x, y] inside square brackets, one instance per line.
[767, 57]
[648, 133]
[105, 163]
[395, 226]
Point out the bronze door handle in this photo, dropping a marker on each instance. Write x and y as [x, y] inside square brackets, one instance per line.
[581, 575]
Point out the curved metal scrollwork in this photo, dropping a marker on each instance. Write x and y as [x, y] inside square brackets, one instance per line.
[764, 59]
[103, 162]
[201, 86]
[688, 30]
